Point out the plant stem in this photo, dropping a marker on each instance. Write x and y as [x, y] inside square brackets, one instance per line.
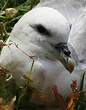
[5, 5]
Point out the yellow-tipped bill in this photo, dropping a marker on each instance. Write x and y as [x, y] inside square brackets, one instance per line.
[70, 65]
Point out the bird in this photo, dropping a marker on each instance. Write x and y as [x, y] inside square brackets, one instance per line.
[38, 37]
[44, 33]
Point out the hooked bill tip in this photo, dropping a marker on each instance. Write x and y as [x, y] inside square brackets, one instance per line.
[70, 65]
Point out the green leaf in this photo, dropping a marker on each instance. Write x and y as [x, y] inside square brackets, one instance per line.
[82, 82]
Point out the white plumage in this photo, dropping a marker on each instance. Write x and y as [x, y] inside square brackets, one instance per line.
[25, 34]
[47, 70]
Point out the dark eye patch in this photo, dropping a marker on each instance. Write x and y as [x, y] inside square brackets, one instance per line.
[42, 30]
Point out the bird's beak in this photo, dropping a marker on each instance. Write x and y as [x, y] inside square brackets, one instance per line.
[69, 65]
[64, 56]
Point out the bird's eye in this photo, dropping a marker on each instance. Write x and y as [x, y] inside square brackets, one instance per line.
[42, 30]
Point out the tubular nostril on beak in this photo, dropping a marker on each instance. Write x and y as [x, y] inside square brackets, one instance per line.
[67, 53]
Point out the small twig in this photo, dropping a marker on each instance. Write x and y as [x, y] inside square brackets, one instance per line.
[12, 42]
[29, 75]
[31, 57]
